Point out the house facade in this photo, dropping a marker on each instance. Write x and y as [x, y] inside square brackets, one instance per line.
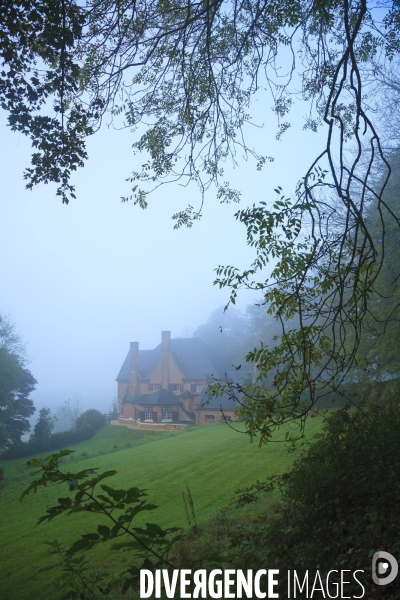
[169, 385]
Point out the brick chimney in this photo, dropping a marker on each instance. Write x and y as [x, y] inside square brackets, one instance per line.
[134, 369]
[165, 354]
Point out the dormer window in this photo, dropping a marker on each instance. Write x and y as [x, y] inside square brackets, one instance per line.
[196, 388]
[175, 387]
[154, 387]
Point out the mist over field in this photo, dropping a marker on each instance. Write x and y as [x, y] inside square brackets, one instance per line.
[82, 281]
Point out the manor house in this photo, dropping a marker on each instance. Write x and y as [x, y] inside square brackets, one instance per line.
[169, 385]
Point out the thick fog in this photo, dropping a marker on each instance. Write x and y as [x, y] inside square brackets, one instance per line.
[82, 281]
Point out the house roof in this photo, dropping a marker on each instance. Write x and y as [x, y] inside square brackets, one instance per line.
[192, 355]
[160, 398]
[185, 395]
[244, 376]
[224, 402]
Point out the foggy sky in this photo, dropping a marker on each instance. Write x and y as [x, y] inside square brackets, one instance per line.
[82, 281]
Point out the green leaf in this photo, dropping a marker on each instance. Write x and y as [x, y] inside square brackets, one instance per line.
[104, 531]
[65, 501]
[116, 495]
[85, 543]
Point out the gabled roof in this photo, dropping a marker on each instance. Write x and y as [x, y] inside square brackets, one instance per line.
[195, 358]
[192, 355]
[147, 361]
[160, 398]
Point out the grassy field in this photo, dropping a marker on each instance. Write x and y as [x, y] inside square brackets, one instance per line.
[213, 461]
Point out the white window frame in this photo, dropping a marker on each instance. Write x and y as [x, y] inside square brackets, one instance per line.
[166, 414]
[148, 412]
[209, 417]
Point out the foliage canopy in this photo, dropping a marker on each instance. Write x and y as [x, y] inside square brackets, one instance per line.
[44, 426]
[90, 420]
[188, 71]
[183, 75]
[16, 384]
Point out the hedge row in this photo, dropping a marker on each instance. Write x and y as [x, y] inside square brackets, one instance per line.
[87, 425]
[56, 441]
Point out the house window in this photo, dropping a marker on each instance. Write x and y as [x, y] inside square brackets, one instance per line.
[175, 387]
[154, 387]
[166, 413]
[209, 418]
[226, 418]
[148, 413]
[196, 388]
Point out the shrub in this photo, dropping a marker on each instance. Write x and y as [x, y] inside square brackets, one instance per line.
[341, 501]
[91, 420]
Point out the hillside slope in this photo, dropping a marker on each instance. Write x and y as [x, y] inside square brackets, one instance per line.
[212, 461]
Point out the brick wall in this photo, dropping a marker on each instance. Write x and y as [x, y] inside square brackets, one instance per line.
[158, 376]
[201, 416]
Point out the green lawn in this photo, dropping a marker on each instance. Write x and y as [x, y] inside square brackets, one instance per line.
[213, 461]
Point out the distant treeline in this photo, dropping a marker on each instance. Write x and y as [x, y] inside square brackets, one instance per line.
[87, 425]
[355, 392]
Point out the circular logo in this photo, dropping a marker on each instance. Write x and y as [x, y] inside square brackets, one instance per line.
[384, 568]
